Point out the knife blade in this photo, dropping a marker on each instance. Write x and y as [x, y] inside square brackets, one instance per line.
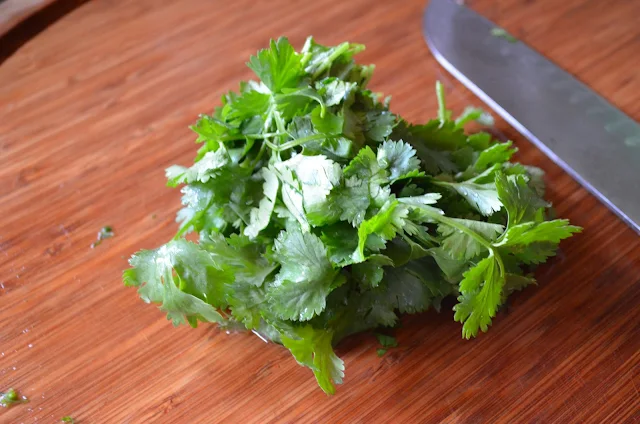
[593, 141]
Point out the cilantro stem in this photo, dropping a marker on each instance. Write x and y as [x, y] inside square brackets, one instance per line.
[184, 228]
[339, 50]
[306, 56]
[302, 93]
[297, 142]
[442, 107]
[259, 155]
[252, 136]
[265, 135]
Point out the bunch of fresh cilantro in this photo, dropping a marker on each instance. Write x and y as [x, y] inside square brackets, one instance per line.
[321, 214]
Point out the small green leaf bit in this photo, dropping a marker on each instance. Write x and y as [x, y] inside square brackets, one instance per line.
[10, 398]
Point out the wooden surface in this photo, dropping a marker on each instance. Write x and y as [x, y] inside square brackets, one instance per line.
[96, 106]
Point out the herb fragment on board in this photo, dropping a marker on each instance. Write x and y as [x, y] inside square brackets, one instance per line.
[319, 213]
[386, 341]
[502, 33]
[11, 397]
[67, 419]
[104, 233]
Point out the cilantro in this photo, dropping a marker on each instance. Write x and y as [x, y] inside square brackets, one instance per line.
[321, 214]
[67, 419]
[381, 352]
[10, 398]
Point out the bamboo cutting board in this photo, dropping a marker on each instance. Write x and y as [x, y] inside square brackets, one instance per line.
[97, 105]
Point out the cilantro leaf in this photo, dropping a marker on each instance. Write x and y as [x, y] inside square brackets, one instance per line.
[482, 197]
[312, 348]
[327, 123]
[534, 253]
[293, 102]
[334, 91]
[340, 241]
[461, 245]
[515, 282]
[480, 296]
[370, 273]
[317, 176]
[306, 276]
[320, 59]
[385, 224]
[205, 169]
[498, 153]
[239, 256]
[251, 269]
[354, 198]
[183, 279]
[399, 159]
[366, 167]
[411, 289]
[378, 124]
[279, 66]
[261, 215]
[520, 201]
[249, 104]
[199, 213]
[292, 194]
[530, 232]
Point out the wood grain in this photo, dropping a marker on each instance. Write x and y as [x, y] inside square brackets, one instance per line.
[94, 108]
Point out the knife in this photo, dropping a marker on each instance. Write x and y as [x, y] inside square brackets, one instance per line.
[593, 141]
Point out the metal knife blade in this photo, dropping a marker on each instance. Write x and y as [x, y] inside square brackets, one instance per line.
[578, 129]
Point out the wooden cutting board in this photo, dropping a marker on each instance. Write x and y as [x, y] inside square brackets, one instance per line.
[97, 105]
[12, 12]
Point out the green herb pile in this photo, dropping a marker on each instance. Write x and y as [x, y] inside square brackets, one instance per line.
[321, 214]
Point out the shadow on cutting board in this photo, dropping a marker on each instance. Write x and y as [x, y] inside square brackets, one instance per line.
[32, 24]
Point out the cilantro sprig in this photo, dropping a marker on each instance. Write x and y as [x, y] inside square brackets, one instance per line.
[320, 213]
